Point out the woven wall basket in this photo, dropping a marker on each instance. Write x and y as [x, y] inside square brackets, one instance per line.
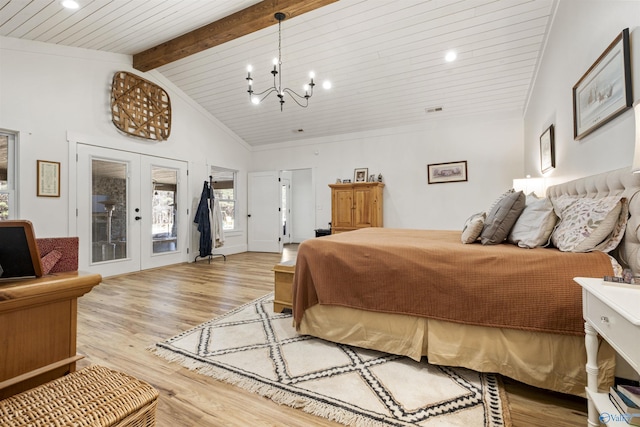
[139, 107]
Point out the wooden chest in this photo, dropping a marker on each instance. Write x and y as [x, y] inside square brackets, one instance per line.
[283, 282]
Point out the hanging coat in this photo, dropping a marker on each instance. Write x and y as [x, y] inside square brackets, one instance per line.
[203, 221]
[217, 224]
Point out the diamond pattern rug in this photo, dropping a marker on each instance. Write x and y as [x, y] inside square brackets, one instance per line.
[259, 350]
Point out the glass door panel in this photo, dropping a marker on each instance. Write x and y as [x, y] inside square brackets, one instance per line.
[164, 227]
[109, 210]
[163, 205]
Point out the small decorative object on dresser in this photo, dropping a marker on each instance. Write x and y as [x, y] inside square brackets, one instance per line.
[360, 175]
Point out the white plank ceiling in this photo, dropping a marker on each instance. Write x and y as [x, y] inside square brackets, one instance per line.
[385, 59]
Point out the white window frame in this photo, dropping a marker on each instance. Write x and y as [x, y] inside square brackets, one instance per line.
[212, 170]
[12, 166]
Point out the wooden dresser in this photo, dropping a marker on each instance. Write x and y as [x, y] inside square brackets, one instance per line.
[357, 205]
[38, 329]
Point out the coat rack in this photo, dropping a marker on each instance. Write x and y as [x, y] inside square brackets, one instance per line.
[204, 219]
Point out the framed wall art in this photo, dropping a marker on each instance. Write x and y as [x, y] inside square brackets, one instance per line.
[447, 172]
[360, 174]
[48, 179]
[547, 150]
[604, 91]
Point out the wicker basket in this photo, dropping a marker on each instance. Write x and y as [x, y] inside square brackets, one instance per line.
[94, 396]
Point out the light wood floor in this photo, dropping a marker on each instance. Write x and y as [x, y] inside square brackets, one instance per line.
[125, 315]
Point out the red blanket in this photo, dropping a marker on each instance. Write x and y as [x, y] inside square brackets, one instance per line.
[432, 274]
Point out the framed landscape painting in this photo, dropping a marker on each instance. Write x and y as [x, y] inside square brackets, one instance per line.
[547, 150]
[447, 172]
[604, 91]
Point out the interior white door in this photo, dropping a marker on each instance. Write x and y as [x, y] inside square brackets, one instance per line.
[285, 210]
[131, 211]
[264, 212]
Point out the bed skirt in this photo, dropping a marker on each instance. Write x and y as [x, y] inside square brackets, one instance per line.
[550, 361]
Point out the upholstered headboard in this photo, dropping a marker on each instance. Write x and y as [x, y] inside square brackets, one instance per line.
[617, 182]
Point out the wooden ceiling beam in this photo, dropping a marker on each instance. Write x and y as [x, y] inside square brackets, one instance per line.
[239, 24]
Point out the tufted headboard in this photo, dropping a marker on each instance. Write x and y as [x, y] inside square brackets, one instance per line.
[617, 182]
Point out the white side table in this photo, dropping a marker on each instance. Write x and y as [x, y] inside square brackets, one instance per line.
[613, 313]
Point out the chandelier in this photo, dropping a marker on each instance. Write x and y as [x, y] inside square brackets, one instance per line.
[301, 100]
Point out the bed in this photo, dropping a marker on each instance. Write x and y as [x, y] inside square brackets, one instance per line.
[492, 308]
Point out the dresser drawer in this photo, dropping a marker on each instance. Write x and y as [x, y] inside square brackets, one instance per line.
[614, 328]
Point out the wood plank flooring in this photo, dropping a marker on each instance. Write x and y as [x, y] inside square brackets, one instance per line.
[125, 315]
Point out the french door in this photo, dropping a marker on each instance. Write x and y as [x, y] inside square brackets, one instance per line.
[131, 210]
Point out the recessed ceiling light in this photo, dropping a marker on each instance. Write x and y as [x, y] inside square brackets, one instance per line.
[451, 56]
[70, 4]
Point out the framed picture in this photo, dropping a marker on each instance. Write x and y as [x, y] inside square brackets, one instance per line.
[604, 92]
[547, 150]
[360, 175]
[447, 172]
[48, 179]
[372, 178]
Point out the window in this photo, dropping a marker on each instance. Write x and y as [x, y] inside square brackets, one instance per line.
[224, 190]
[8, 206]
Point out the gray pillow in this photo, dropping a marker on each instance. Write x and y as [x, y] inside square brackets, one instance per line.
[501, 218]
[535, 225]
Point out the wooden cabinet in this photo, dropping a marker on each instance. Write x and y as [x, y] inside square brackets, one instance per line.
[38, 329]
[357, 205]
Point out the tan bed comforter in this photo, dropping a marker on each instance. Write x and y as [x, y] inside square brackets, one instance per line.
[432, 274]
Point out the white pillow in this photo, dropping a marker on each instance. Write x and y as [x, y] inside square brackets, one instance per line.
[535, 224]
[589, 224]
[473, 227]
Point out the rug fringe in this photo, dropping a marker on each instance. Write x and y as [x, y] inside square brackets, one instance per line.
[279, 396]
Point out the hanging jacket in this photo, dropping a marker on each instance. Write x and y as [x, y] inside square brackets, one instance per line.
[203, 221]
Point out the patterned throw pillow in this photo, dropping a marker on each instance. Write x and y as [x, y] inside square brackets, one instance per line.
[473, 227]
[589, 224]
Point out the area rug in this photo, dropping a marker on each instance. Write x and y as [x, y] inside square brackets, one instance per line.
[259, 350]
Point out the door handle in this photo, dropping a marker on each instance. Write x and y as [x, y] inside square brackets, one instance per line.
[249, 216]
[138, 218]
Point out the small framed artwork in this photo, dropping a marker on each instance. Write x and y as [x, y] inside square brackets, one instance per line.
[48, 179]
[360, 175]
[604, 92]
[447, 172]
[547, 150]
[372, 178]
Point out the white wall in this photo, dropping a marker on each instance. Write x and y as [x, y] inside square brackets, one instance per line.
[492, 146]
[51, 93]
[580, 33]
[303, 205]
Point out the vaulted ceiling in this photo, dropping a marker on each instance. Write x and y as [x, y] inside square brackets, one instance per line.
[385, 59]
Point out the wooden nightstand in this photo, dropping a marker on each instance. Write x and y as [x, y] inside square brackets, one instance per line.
[614, 313]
